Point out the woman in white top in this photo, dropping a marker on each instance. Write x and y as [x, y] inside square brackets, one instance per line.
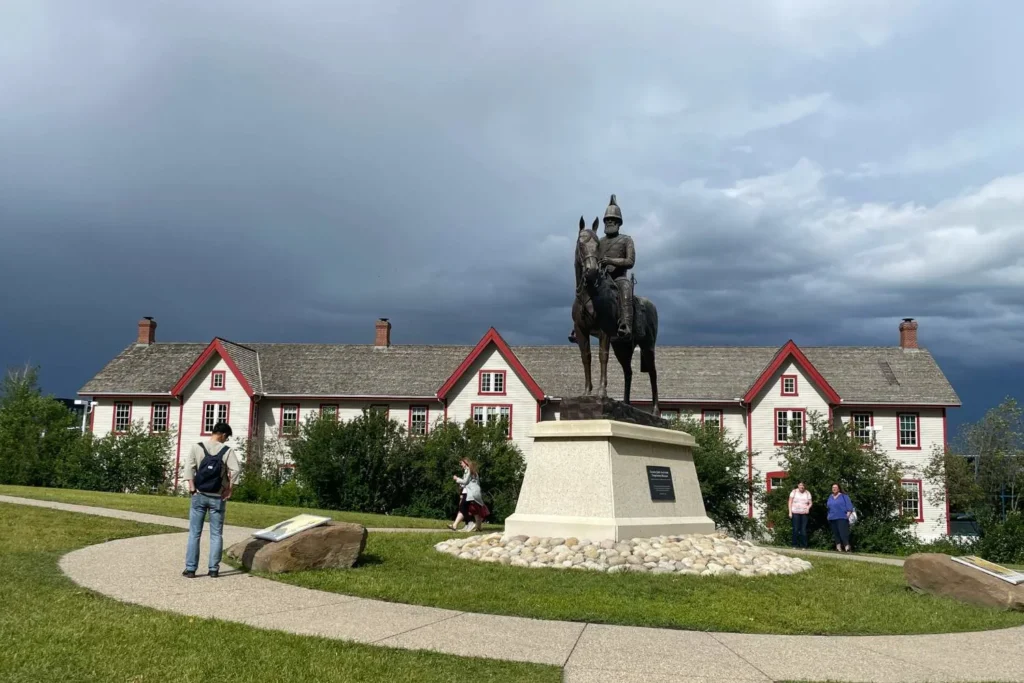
[471, 503]
[799, 511]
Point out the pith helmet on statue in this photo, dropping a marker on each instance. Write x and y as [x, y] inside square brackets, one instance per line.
[612, 218]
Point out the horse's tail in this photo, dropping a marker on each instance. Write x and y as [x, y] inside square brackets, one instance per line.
[649, 337]
[651, 317]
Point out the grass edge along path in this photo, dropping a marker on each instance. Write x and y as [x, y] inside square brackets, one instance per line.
[836, 597]
[252, 515]
[55, 630]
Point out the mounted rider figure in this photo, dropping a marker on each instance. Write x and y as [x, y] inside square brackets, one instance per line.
[617, 256]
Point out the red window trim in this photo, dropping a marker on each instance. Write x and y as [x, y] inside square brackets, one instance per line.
[152, 416]
[474, 406]
[480, 383]
[920, 497]
[917, 432]
[775, 425]
[280, 421]
[202, 415]
[426, 419]
[224, 380]
[337, 410]
[782, 386]
[721, 417]
[768, 478]
[113, 418]
[871, 422]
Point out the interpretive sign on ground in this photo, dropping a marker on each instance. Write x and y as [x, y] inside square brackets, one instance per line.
[660, 481]
[1008, 575]
[290, 527]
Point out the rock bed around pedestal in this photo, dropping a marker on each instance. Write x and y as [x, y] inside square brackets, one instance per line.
[695, 555]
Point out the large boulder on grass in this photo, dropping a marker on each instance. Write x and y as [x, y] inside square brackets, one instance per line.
[333, 545]
[938, 574]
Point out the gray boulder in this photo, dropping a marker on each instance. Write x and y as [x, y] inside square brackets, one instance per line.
[938, 574]
[334, 545]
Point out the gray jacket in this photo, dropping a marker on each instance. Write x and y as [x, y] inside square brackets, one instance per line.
[471, 487]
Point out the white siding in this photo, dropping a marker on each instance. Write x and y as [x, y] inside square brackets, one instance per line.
[199, 391]
[809, 398]
[931, 428]
[466, 394]
[102, 418]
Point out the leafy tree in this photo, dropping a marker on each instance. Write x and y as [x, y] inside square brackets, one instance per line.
[352, 465]
[997, 442]
[870, 477]
[135, 461]
[953, 477]
[721, 465]
[34, 431]
[264, 480]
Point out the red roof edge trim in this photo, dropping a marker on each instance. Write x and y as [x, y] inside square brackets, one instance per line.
[790, 349]
[215, 347]
[492, 337]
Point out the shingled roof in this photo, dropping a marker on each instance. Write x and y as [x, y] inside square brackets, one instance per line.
[685, 373]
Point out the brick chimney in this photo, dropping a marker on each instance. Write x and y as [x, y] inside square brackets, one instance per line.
[147, 331]
[908, 334]
[383, 337]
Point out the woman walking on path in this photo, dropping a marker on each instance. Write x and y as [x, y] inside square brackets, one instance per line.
[471, 503]
[839, 510]
[799, 511]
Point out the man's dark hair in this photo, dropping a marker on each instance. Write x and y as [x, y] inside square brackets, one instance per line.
[222, 428]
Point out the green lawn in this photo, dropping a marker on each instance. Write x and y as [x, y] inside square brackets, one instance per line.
[52, 630]
[239, 514]
[836, 597]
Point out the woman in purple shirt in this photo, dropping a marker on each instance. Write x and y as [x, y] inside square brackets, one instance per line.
[839, 509]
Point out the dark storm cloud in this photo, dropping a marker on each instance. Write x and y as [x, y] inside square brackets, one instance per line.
[291, 171]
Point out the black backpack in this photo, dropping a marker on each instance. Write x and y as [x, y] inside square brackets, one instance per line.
[211, 471]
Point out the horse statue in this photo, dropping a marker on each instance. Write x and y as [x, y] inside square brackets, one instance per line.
[595, 312]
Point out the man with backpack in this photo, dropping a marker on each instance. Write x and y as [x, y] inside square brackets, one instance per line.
[211, 470]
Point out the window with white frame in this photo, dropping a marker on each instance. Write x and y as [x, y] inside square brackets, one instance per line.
[911, 498]
[789, 425]
[122, 416]
[862, 427]
[418, 420]
[161, 417]
[908, 428]
[789, 385]
[217, 379]
[287, 473]
[289, 419]
[712, 417]
[329, 411]
[212, 414]
[492, 414]
[492, 382]
[670, 415]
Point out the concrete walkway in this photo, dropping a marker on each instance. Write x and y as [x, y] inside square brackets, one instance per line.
[148, 573]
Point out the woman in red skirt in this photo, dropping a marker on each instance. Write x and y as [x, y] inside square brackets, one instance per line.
[471, 504]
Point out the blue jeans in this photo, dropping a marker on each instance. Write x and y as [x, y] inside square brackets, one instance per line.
[197, 515]
[800, 530]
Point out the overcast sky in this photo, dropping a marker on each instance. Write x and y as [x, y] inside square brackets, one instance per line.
[290, 170]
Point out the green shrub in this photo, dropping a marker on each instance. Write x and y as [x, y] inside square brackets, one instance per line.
[135, 461]
[721, 465]
[869, 476]
[1002, 540]
[370, 464]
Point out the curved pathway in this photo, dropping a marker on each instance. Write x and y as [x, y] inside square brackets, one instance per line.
[147, 571]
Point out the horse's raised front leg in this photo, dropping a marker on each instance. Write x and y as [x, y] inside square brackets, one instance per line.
[603, 344]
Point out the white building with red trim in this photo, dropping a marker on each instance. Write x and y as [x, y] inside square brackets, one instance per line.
[896, 396]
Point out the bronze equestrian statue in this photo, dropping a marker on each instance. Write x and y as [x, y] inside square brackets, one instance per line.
[606, 307]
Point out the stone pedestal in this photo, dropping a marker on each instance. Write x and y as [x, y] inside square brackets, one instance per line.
[604, 479]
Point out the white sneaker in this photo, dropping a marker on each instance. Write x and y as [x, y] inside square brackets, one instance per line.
[469, 527]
